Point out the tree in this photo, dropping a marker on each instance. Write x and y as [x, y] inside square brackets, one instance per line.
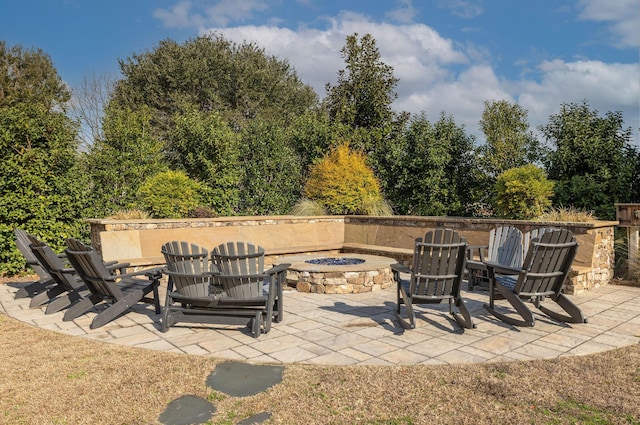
[90, 99]
[361, 102]
[364, 91]
[205, 147]
[272, 170]
[211, 74]
[594, 165]
[41, 188]
[509, 142]
[119, 163]
[434, 174]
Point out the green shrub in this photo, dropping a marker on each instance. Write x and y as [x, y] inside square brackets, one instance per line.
[523, 193]
[170, 194]
[343, 183]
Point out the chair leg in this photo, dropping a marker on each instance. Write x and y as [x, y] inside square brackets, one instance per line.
[33, 288]
[116, 309]
[516, 303]
[575, 314]
[44, 297]
[63, 302]
[80, 308]
[256, 328]
[411, 323]
[464, 319]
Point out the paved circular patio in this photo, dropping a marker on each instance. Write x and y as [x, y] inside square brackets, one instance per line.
[360, 329]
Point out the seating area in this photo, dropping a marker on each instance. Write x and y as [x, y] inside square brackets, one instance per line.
[206, 289]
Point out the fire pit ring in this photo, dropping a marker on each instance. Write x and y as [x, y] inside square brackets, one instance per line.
[346, 273]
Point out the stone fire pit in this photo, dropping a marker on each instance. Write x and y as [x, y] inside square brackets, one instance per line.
[345, 273]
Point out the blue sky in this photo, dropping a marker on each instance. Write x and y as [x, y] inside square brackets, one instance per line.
[450, 55]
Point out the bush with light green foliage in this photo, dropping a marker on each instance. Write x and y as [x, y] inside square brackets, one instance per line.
[344, 184]
[170, 194]
[523, 193]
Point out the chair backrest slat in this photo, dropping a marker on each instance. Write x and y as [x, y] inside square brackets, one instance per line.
[438, 264]
[548, 263]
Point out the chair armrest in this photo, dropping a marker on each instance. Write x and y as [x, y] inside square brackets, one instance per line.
[479, 248]
[151, 273]
[277, 269]
[400, 268]
[501, 268]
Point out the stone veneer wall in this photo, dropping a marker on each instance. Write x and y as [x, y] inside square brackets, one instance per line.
[139, 241]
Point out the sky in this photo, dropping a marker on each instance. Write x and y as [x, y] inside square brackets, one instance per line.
[449, 55]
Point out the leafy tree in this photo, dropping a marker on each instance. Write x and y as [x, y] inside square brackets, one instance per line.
[205, 147]
[360, 106]
[170, 194]
[523, 193]
[120, 163]
[211, 74]
[594, 165]
[509, 142]
[41, 187]
[272, 170]
[436, 170]
[364, 91]
[343, 183]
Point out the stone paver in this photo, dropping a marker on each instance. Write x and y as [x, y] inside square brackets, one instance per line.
[361, 329]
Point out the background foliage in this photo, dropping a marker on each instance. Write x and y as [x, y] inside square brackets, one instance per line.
[246, 136]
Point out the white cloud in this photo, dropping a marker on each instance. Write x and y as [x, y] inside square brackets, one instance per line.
[436, 74]
[624, 16]
[193, 14]
[606, 87]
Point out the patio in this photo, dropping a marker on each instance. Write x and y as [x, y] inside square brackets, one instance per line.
[360, 329]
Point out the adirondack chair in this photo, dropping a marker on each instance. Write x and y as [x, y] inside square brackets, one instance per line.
[67, 289]
[120, 291]
[435, 277]
[44, 279]
[196, 294]
[189, 286]
[241, 274]
[542, 275]
[505, 247]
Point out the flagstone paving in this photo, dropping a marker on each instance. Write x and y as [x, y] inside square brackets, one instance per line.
[361, 329]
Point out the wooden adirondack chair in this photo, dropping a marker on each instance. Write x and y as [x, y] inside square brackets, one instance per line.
[542, 275]
[44, 279]
[436, 276]
[242, 276]
[67, 289]
[120, 291]
[505, 247]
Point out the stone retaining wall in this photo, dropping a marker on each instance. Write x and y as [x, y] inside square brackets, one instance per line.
[139, 241]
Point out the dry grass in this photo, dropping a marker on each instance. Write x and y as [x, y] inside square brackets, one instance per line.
[50, 378]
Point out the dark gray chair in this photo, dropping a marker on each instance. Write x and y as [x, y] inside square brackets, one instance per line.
[44, 279]
[435, 276]
[542, 276]
[119, 291]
